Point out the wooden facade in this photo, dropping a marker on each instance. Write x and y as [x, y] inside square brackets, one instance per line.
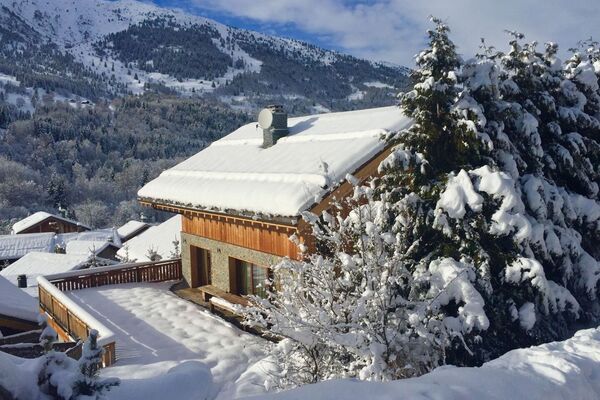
[11, 325]
[255, 235]
[56, 225]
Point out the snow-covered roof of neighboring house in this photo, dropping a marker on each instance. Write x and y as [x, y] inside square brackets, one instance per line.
[158, 238]
[39, 217]
[237, 173]
[98, 235]
[13, 247]
[86, 247]
[16, 303]
[131, 228]
[38, 264]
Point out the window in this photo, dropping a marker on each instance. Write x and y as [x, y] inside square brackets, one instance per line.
[251, 278]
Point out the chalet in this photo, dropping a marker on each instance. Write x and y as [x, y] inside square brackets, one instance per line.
[157, 241]
[131, 229]
[18, 310]
[45, 222]
[99, 248]
[104, 242]
[13, 247]
[241, 198]
[37, 264]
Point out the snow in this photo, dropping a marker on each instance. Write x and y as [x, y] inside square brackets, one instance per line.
[170, 348]
[378, 84]
[13, 247]
[450, 280]
[236, 173]
[158, 238]
[36, 264]
[16, 303]
[4, 79]
[87, 247]
[527, 316]
[566, 370]
[38, 217]
[459, 193]
[101, 235]
[130, 228]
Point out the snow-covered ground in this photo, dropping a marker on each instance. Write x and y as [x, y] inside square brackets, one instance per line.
[568, 370]
[170, 348]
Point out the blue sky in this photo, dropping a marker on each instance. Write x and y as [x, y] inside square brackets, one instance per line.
[394, 30]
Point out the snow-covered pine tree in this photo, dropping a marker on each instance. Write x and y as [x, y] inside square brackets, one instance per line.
[447, 193]
[88, 383]
[533, 114]
[63, 378]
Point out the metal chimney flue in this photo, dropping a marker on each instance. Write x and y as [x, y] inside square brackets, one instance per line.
[273, 121]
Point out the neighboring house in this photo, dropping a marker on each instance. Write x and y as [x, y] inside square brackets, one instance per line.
[156, 240]
[13, 247]
[99, 248]
[18, 310]
[37, 264]
[241, 198]
[45, 222]
[103, 235]
[131, 229]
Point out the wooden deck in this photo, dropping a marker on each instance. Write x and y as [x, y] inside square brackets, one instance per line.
[197, 296]
[66, 322]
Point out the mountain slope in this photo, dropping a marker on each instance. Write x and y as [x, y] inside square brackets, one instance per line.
[127, 46]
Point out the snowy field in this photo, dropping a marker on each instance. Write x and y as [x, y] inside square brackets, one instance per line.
[170, 348]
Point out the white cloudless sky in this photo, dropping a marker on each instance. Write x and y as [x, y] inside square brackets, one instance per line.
[394, 30]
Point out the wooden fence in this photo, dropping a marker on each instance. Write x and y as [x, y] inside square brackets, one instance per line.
[73, 323]
[155, 272]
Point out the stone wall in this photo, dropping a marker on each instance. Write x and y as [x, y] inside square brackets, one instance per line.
[220, 253]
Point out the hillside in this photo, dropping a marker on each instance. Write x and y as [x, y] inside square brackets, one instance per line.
[100, 49]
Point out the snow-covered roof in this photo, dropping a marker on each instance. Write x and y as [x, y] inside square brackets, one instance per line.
[237, 173]
[16, 303]
[38, 217]
[158, 238]
[13, 247]
[130, 228]
[38, 264]
[86, 247]
[98, 235]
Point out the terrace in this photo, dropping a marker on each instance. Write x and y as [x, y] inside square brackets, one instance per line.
[151, 335]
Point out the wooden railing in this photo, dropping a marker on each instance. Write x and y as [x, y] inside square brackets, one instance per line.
[73, 322]
[159, 271]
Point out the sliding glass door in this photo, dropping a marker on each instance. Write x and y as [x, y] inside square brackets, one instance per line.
[251, 278]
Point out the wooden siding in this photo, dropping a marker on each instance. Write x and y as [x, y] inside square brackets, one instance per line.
[55, 225]
[256, 235]
[16, 324]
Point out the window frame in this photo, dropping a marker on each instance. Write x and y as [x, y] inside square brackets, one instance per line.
[238, 263]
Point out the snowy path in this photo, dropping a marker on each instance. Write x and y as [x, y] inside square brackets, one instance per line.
[168, 347]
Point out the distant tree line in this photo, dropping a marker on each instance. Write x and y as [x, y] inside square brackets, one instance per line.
[91, 161]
